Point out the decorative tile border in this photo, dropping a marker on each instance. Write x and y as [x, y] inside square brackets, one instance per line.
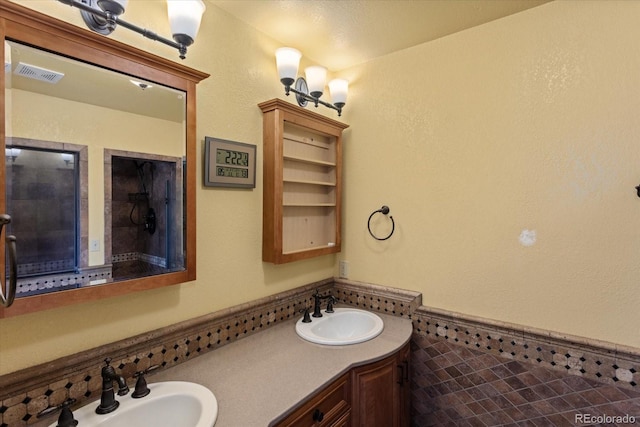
[40, 284]
[394, 301]
[137, 256]
[439, 337]
[596, 360]
[25, 393]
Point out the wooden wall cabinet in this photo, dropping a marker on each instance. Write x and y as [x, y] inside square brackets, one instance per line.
[302, 179]
[373, 395]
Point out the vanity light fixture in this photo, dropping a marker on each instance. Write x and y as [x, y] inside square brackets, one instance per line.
[12, 153]
[311, 88]
[68, 158]
[103, 16]
[141, 85]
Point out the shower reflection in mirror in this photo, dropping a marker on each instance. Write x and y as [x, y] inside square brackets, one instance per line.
[146, 214]
[43, 183]
[75, 121]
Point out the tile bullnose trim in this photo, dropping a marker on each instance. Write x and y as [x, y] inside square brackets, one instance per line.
[394, 301]
[536, 333]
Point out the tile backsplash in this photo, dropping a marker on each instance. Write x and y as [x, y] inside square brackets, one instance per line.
[466, 371]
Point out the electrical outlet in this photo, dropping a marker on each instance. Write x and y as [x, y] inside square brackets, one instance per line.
[95, 246]
[344, 269]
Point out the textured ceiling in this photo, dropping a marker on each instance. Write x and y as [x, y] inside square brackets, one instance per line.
[341, 33]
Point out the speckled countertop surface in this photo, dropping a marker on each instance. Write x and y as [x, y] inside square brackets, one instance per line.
[261, 378]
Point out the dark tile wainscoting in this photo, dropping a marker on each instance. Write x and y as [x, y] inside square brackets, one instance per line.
[470, 372]
[466, 371]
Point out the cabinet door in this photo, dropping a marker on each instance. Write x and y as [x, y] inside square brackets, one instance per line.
[375, 399]
[382, 392]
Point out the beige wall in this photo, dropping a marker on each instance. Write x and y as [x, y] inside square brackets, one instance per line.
[524, 123]
[229, 266]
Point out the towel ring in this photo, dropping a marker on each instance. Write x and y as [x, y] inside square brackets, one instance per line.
[383, 210]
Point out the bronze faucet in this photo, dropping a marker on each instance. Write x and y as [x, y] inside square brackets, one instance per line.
[108, 402]
[318, 299]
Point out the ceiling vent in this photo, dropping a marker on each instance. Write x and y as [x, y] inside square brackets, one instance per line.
[37, 73]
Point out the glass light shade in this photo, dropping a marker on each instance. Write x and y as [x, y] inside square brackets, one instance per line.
[12, 153]
[117, 7]
[67, 157]
[184, 18]
[316, 78]
[287, 61]
[338, 88]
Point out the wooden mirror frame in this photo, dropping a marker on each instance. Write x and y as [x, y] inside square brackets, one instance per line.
[36, 29]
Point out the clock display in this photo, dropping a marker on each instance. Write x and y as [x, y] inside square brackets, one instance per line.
[228, 172]
[229, 163]
[230, 157]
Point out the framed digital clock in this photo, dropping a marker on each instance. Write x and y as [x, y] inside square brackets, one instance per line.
[229, 163]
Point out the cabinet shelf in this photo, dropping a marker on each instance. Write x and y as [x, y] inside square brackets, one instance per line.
[308, 160]
[302, 183]
[301, 251]
[306, 205]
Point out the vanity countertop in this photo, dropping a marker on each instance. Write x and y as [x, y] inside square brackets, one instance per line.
[263, 377]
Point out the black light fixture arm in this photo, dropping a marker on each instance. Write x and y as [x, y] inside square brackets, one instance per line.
[113, 21]
[313, 99]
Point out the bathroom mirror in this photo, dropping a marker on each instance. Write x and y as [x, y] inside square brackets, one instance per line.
[99, 170]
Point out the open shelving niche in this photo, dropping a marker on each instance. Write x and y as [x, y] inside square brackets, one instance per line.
[302, 184]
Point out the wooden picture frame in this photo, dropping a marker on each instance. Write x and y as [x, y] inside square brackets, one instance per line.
[229, 163]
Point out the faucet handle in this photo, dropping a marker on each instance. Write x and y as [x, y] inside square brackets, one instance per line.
[330, 303]
[306, 318]
[142, 389]
[66, 416]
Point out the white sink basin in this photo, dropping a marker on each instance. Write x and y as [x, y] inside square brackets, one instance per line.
[170, 404]
[345, 326]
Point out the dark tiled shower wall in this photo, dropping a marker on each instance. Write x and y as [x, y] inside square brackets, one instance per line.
[127, 236]
[473, 373]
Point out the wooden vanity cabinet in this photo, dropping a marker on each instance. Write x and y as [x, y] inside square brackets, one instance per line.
[373, 395]
[302, 180]
[329, 408]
